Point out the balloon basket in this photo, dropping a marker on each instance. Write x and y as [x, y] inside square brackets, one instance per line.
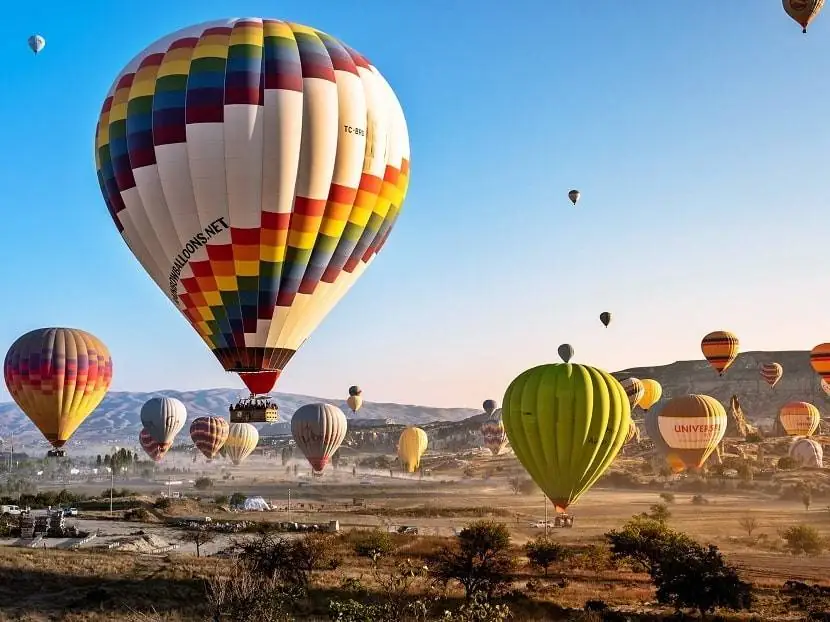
[255, 409]
[56, 453]
[563, 520]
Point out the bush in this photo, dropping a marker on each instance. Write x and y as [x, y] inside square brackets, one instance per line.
[785, 463]
[162, 503]
[203, 483]
[699, 500]
[749, 524]
[479, 560]
[373, 544]
[292, 562]
[542, 552]
[803, 539]
[140, 515]
[221, 499]
[754, 437]
[668, 497]
[237, 499]
[659, 512]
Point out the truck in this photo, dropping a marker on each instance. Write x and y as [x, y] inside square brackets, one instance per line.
[10, 510]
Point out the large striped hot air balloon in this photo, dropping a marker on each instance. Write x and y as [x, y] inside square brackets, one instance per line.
[634, 390]
[255, 168]
[58, 376]
[720, 348]
[820, 360]
[807, 453]
[318, 430]
[799, 418]
[692, 426]
[652, 392]
[209, 434]
[803, 11]
[241, 442]
[493, 433]
[661, 449]
[771, 373]
[412, 444]
[163, 418]
[151, 446]
[566, 424]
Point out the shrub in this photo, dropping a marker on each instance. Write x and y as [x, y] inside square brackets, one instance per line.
[140, 515]
[749, 524]
[543, 552]
[659, 512]
[754, 437]
[292, 562]
[479, 560]
[668, 497]
[203, 483]
[373, 544]
[803, 539]
[786, 463]
[221, 499]
[162, 503]
[237, 499]
[699, 500]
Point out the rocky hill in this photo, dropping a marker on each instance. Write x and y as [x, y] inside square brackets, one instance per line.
[760, 403]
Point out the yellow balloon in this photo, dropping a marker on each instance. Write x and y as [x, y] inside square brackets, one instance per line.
[652, 392]
[692, 426]
[411, 446]
[799, 418]
[241, 442]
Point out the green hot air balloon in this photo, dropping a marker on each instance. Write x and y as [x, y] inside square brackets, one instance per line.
[566, 423]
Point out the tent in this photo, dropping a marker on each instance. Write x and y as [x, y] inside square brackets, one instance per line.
[255, 504]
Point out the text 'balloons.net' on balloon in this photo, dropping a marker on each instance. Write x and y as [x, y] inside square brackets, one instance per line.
[255, 168]
[720, 348]
[566, 424]
[58, 376]
[163, 418]
[411, 447]
[319, 430]
[692, 426]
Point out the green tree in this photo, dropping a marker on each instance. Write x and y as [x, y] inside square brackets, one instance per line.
[543, 552]
[803, 539]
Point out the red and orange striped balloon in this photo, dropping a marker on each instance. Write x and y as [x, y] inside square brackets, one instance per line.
[151, 446]
[721, 349]
[820, 360]
[771, 373]
[209, 434]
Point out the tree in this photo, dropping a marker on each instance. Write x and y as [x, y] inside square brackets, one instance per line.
[785, 463]
[236, 499]
[668, 497]
[479, 560]
[291, 562]
[745, 471]
[373, 544]
[516, 484]
[803, 539]
[807, 498]
[107, 460]
[203, 483]
[659, 512]
[98, 461]
[199, 537]
[543, 552]
[749, 524]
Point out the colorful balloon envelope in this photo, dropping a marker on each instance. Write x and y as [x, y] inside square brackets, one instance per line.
[660, 447]
[58, 376]
[355, 402]
[633, 433]
[412, 444]
[803, 11]
[799, 418]
[209, 434]
[241, 442]
[820, 360]
[566, 424]
[825, 387]
[493, 433]
[489, 406]
[318, 430]
[151, 446]
[255, 168]
[771, 373]
[692, 426]
[163, 418]
[807, 453]
[652, 392]
[634, 390]
[720, 348]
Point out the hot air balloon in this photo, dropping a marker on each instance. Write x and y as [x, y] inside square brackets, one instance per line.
[803, 11]
[634, 390]
[692, 426]
[799, 418]
[318, 429]
[355, 390]
[771, 373]
[573, 195]
[820, 360]
[633, 433]
[825, 387]
[807, 453]
[163, 418]
[255, 168]
[661, 449]
[489, 406]
[411, 446]
[36, 43]
[566, 424]
[652, 392]
[354, 402]
[720, 348]
[242, 440]
[605, 318]
[566, 352]
[209, 434]
[151, 446]
[58, 376]
[492, 430]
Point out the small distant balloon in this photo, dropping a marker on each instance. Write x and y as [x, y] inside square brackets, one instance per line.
[566, 352]
[36, 43]
[720, 348]
[605, 318]
[771, 373]
[573, 195]
[803, 11]
[355, 390]
[489, 406]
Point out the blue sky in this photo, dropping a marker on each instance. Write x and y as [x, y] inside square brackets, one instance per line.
[697, 136]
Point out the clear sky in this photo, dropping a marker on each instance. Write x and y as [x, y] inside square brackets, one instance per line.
[698, 136]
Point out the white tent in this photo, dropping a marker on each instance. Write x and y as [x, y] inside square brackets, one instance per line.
[255, 504]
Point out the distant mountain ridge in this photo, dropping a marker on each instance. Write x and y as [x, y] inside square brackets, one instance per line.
[117, 418]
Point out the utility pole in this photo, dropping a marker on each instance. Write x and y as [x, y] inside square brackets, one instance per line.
[112, 483]
[289, 505]
[546, 516]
